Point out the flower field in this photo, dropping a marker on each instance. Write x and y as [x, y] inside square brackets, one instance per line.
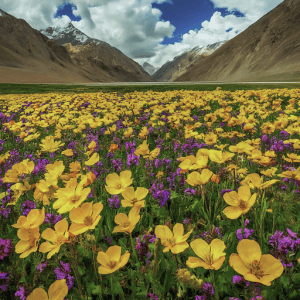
[150, 195]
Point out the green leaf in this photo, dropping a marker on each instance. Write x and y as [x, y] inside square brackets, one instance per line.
[81, 250]
[168, 279]
[174, 195]
[117, 289]
[97, 290]
[123, 242]
[81, 270]
[285, 281]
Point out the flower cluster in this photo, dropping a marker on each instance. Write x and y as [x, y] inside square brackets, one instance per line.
[142, 246]
[214, 233]
[27, 206]
[247, 232]
[64, 272]
[282, 245]
[207, 291]
[6, 248]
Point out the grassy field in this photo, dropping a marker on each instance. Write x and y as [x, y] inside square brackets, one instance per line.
[14, 88]
[182, 195]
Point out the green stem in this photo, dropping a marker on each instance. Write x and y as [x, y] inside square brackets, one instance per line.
[243, 226]
[112, 291]
[214, 284]
[134, 251]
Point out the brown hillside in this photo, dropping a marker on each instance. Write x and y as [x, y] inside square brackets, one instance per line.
[268, 50]
[28, 56]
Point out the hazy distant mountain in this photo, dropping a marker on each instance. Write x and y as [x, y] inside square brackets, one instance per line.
[32, 56]
[268, 50]
[180, 64]
[149, 68]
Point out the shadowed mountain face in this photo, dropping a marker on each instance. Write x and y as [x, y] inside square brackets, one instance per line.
[29, 56]
[181, 63]
[268, 50]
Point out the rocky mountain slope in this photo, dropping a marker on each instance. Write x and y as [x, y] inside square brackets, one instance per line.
[268, 50]
[29, 56]
[149, 68]
[181, 63]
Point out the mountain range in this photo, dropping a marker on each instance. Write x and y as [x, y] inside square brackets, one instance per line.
[29, 55]
[268, 50]
[181, 63]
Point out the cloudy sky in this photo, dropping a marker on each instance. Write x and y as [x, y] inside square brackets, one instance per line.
[152, 31]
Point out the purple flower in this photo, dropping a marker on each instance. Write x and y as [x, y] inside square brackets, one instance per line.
[117, 164]
[4, 280]
[21, 293]
[247, 232]
[41, 266]
[6, 248]
[152, 296]
[64, 272]
[236, 279]
[114, 202]
[52, 218]
[27, 206]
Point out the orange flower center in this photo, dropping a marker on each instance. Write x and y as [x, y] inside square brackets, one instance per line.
[74, 199]
[126, 224]
[134, 200]
[112, 264]
[61, 240]
[33, 242]
[172, 242]
[255, 269]
[88, 221]
[242, 204]
[119, 186]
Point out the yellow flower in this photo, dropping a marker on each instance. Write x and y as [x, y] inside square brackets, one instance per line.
[92, 160]
[219, 156]
[85, 217]
[254, 266]
[292, 157]
[57, 238]
[128, 132]
[195, 178]
[176, 241]
[267, 128]
[295, 175]
[34, 219]
[212, 256]
[142, 149]
[116, 184]
[240, 202]
[210, 138]
[48, 144]
[153, 154]
[241, 147]
[255, 181]
[57, 291]
[111, 260]
[68, 152]
[45, 189]
[127, 224]
[70, 197]
[28, 241]
[134, 198]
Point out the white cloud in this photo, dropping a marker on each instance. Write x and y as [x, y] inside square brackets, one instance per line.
[135, 28]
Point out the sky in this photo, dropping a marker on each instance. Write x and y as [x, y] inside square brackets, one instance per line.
[152, 31]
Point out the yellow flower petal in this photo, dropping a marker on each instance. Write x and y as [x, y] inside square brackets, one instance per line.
[163, 232]
[58, 290]
[195, 262]
[114, 253]
[38, 294]
[232, 212]
[249, 250]
[61, 227]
